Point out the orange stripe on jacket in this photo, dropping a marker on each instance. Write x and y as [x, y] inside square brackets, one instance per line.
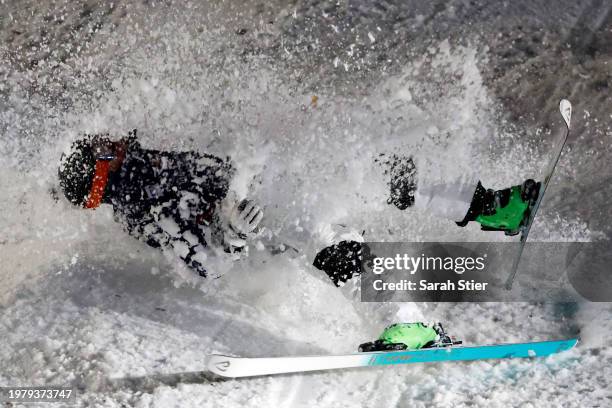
[96, 194]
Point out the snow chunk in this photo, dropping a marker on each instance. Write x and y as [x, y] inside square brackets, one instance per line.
[190, 237]
[181, 249]
[200, 256]
[169, 226]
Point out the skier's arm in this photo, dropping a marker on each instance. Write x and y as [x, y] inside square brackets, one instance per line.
[159, 229]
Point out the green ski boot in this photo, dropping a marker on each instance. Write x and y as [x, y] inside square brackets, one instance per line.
[409, 336]
[502, 210]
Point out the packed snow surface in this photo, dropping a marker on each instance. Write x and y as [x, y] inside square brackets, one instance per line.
[304, 97]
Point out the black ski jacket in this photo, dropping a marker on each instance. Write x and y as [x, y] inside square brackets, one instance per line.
[168, 199]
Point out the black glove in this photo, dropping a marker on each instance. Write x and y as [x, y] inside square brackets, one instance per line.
[341, 261]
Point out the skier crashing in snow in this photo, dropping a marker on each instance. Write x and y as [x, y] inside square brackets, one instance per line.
[175, 201]
[180, 201]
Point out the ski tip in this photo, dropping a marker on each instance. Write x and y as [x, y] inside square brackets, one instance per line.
[565, 107]
[220, 365]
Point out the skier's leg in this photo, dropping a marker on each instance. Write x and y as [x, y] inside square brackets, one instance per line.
[461, 199]
[448, 200]
[411, 183]
[465, 201]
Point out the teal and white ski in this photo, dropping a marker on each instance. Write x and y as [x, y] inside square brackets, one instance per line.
[565, 108]
[235, 367]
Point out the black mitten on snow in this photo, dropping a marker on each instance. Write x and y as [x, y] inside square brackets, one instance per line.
[341, 261]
